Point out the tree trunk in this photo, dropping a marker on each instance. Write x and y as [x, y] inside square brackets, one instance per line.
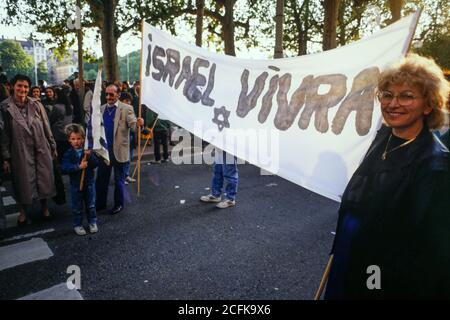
[80, 56]
[395, 6]
[228, 28]
[330, 21]
[109, 42]
[200, 4]
[279, 20]
[341, 23]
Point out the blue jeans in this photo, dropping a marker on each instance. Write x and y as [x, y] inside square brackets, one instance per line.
[103, 176]
[229, 173]
[86, 197]
[128, 163]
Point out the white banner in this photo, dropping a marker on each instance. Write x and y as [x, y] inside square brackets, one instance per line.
[308, 119]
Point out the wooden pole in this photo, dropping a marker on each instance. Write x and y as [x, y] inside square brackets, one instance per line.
[324, 279]
[83, 173]
[140, 110]
[145, 145]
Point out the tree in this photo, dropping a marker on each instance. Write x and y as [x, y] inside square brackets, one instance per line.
[14, 59]
[200, 5]
[111, 18]
[395, 7]
[279, 20]
[42, 71]
[330, 22]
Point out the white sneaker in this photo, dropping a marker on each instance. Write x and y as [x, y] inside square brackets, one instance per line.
[93, 228]
[80, 231]
[210, 198]
[225, 204]
[130, 179]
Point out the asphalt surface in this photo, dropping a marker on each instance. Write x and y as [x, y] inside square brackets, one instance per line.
[273, 245]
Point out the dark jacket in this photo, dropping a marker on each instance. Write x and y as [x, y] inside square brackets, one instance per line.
[70, 165]
[395, 214]
[160, 126]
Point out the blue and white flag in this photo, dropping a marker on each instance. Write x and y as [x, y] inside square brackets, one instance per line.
[96, 138]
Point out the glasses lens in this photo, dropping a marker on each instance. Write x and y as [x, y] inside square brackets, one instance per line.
[385, 97]
[405, 99]
[109, 94]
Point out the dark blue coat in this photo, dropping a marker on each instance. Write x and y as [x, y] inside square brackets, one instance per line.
[395, 214]
[70, 165]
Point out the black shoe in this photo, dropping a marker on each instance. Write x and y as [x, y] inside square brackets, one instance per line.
[47, 218]
[116, 210]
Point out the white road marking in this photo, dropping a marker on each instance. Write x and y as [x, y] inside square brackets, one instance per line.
[8, 201]
[24, 252]
[58, 292]
[28, 235]
[11, 220]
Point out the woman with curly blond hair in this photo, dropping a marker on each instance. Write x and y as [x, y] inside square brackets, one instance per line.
[393, 238]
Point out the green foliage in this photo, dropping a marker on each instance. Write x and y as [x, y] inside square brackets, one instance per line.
[42, 71]
[134, 60]
[15, 60]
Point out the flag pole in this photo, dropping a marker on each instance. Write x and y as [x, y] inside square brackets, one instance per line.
[145, 145]
[140, 110]
[83, 173]
[324, 279]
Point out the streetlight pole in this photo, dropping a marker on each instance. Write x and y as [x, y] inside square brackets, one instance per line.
[35, 64]
[128, 68]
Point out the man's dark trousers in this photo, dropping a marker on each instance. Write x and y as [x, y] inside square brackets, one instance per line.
[102, 183]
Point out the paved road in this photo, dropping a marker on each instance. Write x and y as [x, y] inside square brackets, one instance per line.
[272, 245]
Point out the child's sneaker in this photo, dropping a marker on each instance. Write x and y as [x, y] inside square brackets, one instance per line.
[210, 198]
[93, 228]
[80, 231]
[225, 204]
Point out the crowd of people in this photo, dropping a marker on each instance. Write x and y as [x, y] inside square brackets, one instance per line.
[43, 129]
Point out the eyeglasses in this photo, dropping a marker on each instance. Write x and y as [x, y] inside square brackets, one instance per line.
[404, 99]
[109, 94]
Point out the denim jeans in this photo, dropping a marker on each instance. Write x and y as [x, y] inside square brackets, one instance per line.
[127, 164]
[86, 197]
[223, 170]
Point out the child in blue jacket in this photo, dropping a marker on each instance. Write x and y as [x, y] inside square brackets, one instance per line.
[76, 159]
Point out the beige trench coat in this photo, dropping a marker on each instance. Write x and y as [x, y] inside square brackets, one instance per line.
[28, 144]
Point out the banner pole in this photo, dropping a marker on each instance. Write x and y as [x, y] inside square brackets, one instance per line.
[324, 279]
[140, 110]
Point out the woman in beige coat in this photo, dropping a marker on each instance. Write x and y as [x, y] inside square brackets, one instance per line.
[27, 147]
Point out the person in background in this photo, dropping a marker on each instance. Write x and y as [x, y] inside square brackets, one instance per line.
[75, 160]
[160, 135]
[394, 215]
[224, 169]
[126, 98]
[35, 92]
[125, 87]
[60, 113]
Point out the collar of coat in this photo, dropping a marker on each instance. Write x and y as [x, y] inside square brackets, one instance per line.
[33, 111]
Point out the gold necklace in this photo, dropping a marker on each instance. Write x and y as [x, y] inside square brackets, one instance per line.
[385, 153]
